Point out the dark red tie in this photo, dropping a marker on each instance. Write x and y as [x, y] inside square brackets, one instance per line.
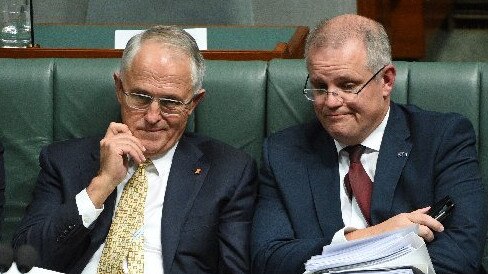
[357, 181]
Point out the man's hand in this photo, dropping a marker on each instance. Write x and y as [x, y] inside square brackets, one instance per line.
[427, 225]
[115, 148]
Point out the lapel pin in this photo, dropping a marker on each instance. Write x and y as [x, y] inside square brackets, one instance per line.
[198, 171]
[402, 154]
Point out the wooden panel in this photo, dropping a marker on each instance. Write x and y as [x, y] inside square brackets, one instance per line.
[405, 25]
[403, 22]
[295, 48]
[279, 52]
[292, 49]
[409, 23]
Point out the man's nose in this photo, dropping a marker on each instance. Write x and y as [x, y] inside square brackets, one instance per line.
[330, 100]
[153, 111]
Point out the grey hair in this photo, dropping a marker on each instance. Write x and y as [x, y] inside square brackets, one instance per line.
[338, 30]
[173, 36]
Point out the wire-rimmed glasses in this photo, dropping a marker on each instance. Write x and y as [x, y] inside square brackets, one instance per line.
[341, 94]
[167, 106]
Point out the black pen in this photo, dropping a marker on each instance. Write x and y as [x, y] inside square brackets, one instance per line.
[442, 209]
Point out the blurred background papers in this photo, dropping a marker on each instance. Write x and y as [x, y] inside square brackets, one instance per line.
[399, 251]
[123, 36]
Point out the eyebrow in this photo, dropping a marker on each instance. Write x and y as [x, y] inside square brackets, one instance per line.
[144, 92]
[340, 78]
[140, 91]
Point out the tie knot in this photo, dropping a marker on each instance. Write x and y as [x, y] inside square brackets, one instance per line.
[355, 153]
[144, 164]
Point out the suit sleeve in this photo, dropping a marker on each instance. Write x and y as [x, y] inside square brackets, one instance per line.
[235, 224]
[51, 223]
[460, 247]
[274, 248]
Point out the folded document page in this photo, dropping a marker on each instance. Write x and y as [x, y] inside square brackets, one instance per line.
[392, 252]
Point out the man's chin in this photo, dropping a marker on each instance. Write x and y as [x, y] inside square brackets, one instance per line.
[156, 143]
[157, 147]
[151, 138]
[340, 132]
[154, 151]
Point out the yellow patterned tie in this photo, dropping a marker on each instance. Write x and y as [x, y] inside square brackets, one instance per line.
[125, 238]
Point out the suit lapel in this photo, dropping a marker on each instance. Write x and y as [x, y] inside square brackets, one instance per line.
[394, 151]
[187, 174]
[322, 168]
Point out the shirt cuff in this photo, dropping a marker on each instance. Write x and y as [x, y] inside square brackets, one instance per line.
[87, 210]
[340, 236]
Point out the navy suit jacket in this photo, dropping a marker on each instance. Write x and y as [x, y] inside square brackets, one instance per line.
[424, 156]
[206, 218]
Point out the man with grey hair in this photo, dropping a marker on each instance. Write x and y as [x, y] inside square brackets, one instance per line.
[365, 165]
[148, 197]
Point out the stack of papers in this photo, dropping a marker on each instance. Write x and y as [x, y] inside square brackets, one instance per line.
[400, 251]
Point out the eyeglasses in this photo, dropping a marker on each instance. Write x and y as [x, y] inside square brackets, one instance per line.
[345, 94]
[167, 106]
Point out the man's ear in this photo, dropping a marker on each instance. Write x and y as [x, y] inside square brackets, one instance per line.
[388, 82]
[118, 86]
[197, 99]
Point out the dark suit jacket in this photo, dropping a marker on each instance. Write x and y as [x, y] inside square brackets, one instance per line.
[424, 156]
[206, 217]
[2, 188]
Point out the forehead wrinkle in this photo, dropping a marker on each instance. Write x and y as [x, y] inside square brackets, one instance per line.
[323, 69]
[336, 72]
[157, 79]
[176, 89]
[153, 56]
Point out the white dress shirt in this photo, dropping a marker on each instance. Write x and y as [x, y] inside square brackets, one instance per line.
[157, 176]
[351, 213]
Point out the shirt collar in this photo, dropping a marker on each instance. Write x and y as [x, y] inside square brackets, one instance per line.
[163, 161]
[160, 163]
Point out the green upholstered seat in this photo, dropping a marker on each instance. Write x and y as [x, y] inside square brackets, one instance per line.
[46, 100]
[233, 110]
[84, 96]
[286, 105]
[26, 102]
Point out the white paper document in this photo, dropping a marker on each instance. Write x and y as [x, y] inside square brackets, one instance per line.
[122, 37]
[35, 270]
[400, 251]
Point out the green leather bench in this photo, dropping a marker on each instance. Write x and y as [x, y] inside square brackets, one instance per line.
[47, 100]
